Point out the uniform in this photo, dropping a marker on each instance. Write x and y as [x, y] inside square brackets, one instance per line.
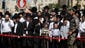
[74, 29]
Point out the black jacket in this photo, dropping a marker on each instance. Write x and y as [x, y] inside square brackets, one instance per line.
[30, 28]
[19, 29]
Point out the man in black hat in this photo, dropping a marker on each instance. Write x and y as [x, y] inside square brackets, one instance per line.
[64, 11]
[18, 30]
[45, 12]
[37, 27]
[28, 30]
[34, 12]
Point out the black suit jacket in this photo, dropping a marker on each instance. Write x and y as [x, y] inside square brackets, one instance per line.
[19, 29]
[30, 28]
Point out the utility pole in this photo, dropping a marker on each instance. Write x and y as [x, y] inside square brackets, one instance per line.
[68, 3]
[4, 5]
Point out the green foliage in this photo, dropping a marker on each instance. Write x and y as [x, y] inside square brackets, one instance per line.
[53, 6]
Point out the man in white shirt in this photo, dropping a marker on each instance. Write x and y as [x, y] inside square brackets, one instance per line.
[82, 27]
[55, 33]
[64, 32]
[7, 25]
[65, 29]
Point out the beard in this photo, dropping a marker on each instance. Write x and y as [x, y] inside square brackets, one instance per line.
[6, 19]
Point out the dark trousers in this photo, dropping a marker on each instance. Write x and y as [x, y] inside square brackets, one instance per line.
[63, 43]
[50, 44]
[82, 42]
[24, 43]
[1, 42]
[36, 43]
[44, 43]
[55, 43]
[17, 42]
[29, 42]
[6, 41]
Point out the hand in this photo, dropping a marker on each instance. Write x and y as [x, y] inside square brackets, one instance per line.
[69, 33]
[24, 28]
[50, 39]
[18, 36]
[59, 40]
[24, 34]
[27, 32]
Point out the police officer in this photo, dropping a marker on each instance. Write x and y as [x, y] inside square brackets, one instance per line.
[73, 31]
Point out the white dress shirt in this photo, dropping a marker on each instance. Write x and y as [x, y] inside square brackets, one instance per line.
[27, 23]
[54, 32]
[15, 28]
[64, 31]
[6, 26]
[27, 26]
[22, 20]
[82, 26]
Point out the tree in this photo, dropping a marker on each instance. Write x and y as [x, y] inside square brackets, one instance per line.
[53, 6]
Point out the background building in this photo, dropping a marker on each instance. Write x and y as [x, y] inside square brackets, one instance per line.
[11, 4]
[79, 2]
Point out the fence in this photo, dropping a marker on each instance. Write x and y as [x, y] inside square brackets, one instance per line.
[33, 41]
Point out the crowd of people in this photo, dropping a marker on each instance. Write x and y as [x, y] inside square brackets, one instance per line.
[67, 24]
